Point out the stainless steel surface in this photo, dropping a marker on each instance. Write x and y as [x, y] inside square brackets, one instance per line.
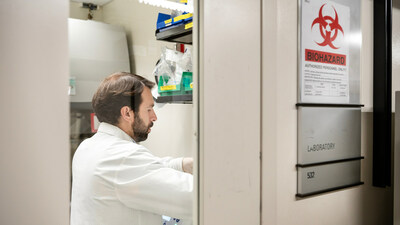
[327, 133]
[327, 176]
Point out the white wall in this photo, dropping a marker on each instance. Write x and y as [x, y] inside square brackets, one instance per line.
[34, 147]
[361, 205]
[172, 132]
[139, 21]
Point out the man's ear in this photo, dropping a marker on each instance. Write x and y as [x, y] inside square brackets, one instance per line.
[127, 114]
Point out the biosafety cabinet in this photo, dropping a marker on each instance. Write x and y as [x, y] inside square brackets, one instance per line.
[96, 49]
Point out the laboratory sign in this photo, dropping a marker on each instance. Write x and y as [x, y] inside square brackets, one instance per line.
[324, 57]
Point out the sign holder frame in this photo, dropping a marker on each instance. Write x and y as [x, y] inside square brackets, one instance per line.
[320, 92]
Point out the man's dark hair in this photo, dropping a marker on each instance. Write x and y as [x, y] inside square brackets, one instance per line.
[116, 91]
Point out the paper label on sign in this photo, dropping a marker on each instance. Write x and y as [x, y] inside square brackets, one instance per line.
[191, 85]
[325, 60]
[168, 87]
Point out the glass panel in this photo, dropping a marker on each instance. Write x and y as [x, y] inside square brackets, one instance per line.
[138, 168]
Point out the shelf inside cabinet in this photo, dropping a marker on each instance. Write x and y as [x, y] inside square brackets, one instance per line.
[180, 33]
[175, 99]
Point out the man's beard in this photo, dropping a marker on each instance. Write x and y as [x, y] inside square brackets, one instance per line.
[140, 130]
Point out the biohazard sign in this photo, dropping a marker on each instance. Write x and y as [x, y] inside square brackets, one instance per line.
[324, 69]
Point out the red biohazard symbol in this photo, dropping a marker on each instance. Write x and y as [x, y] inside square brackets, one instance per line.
[327, 25]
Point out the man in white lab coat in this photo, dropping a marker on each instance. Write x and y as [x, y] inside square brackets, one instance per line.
[117, 181]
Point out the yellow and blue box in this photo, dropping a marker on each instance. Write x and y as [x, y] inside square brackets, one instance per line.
[165, 21]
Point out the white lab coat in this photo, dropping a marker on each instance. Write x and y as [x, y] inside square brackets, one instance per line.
[119, 182]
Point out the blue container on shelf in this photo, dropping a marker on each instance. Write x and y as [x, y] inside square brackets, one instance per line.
[165, 21]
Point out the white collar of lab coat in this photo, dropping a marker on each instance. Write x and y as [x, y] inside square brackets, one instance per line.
[114, 131]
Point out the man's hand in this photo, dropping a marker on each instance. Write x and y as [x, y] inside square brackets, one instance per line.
[187, 165]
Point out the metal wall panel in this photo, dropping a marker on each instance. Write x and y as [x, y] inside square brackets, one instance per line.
[34, 156]
[322, 178]
[230, 49]
[328, 133]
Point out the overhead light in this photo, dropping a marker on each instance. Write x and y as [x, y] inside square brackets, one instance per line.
[170, 5]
